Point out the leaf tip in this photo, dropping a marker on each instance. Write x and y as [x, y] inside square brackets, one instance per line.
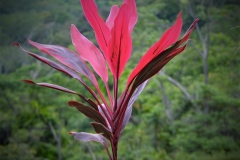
[28, 81]
[16, 44]
[73, 26]
[71, 103]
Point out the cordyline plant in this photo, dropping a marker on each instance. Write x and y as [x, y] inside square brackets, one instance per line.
[110, 114]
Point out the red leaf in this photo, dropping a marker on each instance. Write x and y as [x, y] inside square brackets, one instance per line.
[101, 30]
[89, 52]
[112, 16]
[168, 38]
[157, 64]
[120, 46]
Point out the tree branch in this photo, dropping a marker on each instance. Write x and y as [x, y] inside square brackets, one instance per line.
[53, 131]
[182, 88]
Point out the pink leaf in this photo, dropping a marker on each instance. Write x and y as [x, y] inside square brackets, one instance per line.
[112, 16]
[68, 58]
[89, 52]
[120, 46]
[57, 66]
[168, 38]
[86, 137]
[101, 30]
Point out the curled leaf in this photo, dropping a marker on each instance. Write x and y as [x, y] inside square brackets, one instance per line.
[86, 137]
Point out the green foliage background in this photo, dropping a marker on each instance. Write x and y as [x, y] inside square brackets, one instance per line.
[165, 125]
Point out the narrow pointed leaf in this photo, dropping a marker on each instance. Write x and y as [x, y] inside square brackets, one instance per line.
[89, 112]
[133, 98]
[188, 33]
[55, 65]
[101, 129]
[163, 58]
[120, 46]
[112, 16]
[167, 39]
[53, 86]
[103, 110]
[101, 30]
[133, 12]
[89, 52]
[66, 57]
[64, 69]
[60, 88]
[156, 65]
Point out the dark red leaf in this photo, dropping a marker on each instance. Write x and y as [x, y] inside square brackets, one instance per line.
[89, 112]
[156, 65]
[60, 88]
[168, 38]
[101, 129]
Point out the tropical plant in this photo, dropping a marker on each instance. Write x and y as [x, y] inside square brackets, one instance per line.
[111, 113]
